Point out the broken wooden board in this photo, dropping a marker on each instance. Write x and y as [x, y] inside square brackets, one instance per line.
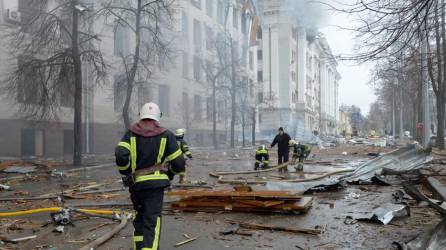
[438, 189]
[283, 195]
[208, 204]
[276, 228]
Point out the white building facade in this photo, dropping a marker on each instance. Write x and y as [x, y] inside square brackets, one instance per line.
[300, 79]
[180, 86]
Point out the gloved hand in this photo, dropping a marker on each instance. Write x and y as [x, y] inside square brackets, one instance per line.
[170, 175]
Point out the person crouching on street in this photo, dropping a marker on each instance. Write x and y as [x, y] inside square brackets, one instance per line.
[262, 158]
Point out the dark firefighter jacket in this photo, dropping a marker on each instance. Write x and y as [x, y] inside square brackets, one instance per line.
[301, 150]
[282, 142]
[145, 145]
[184, 147]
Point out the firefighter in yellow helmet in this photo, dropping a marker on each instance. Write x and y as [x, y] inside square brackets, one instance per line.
[179, 135]
[262, 158]
[148, 156]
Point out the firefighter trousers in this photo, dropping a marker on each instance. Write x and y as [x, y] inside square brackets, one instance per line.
[148, 205]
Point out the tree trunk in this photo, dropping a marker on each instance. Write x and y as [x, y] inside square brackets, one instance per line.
[440, 119]
[253, 131]
[243, 128]
[233, 95]
[214, 114]
[77, 154]
[132, 73]
[441, 83]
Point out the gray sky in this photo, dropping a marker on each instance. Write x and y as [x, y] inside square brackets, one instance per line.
[353, 87]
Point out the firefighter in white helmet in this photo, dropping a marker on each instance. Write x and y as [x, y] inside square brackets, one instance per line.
[179, 135]
[149, 157]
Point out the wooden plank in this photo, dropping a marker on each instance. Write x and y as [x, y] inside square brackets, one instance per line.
[208, 204]
[438, 190]
[276, 228]
[263, 194]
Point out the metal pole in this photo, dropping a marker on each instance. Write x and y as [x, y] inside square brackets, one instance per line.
[393, 112]
[270, 68]
[401, 112]
[425, 89]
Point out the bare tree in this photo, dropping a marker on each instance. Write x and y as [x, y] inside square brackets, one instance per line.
[52, 43]
[390, 28]
[148, 20]
[214, 71]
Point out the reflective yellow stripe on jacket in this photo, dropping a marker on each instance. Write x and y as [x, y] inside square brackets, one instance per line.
[133, 153]
[157, 175]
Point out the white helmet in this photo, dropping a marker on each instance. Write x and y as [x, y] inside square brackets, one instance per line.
[292, 142]
[150, 111]
[180, 132]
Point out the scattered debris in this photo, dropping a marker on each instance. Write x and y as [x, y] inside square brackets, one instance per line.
[17, 240]
[20, 169]
[418, 196]
[434, 238]
[59, 229]
[189, 239]
[403, 159]
[240, 201]
[438, 190]
[384, 214]
[275, 228]
[4, 187]
[306, 187]
[101, 240]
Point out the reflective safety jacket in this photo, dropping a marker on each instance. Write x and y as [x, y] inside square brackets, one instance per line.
[184, 147]
[262, 155]
[301, 151]
[135, 152]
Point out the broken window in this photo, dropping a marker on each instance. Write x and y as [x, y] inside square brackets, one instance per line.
[251, 60]
[68, 141]
[259, 33]
[121, 40]
[163, 99]
[209, 7]
[144, 94]
[209, 38]
[197, 34]
[260, 55]
[244, 28]
[197, 68]
[184, 24]
[209, 108]
[197, 108]
[235, 14]
[119, 92]
[29, 9]
[220, 13]
[30, 85]
[185, 65]
[196, 3]
[260, 76]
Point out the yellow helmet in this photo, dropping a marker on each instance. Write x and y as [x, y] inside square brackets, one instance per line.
[292, 142]
[180, 132]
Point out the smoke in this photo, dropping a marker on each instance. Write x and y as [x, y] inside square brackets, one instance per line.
[307, 13]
